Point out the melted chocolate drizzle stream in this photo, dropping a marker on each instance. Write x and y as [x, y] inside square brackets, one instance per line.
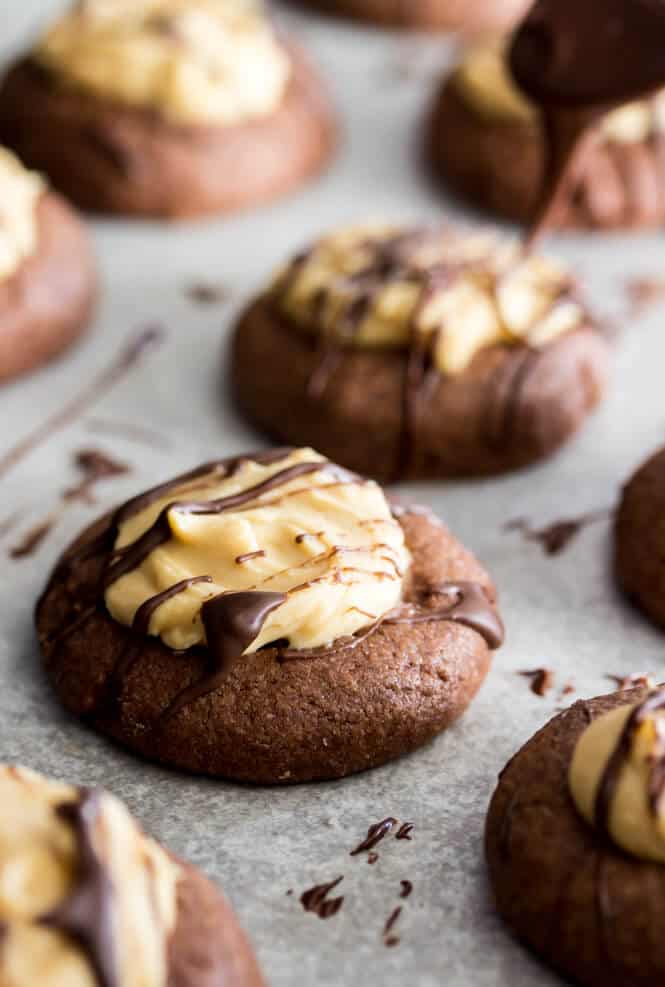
[578, 61]
[86, 914]
[607, 785]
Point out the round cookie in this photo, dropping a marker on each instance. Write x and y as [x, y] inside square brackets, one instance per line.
[284, 626]
[188, 107]
[48, 281]
[639, 536]
[575, 841]
[415, 353]
[486, 140]
[465, 15]
[88, 900]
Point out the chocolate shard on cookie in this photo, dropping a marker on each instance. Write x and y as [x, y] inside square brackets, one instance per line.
[88, 900]
[48, 281]
[575, 840]
[268, 618]
[167, 108]
[458, 15]
[487, 140]
[639, 538]
[413, 352]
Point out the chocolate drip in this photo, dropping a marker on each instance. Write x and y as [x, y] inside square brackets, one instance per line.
[404, 832]
[406, 889]
[129, 558]
[607, 785]
[375, 834]
[86, 914]
[248, 556]
[232, 621]
[469, 606]
[391, 920]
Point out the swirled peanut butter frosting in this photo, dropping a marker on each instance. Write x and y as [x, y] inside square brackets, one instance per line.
[243, 553]
[86, 899]
[20, 192]
[453, 292]
[484, 81]
[617, 776]
[192, 61]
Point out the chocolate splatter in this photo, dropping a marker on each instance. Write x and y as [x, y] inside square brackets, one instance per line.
[541, 680]
[95, 465]
[406, 889]
[33, 538]
[372, 857]
[207, 293]
[316, 899]
[404, 832]
[377, 832]
[556, 537]
[392, 941]
[631, 681]
[130, 431]
[392, 919]
[129, 357]
[644, 292]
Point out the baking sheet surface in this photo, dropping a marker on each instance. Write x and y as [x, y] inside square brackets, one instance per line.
[562, 612]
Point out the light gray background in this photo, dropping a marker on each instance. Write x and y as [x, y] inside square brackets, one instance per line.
[560, 612]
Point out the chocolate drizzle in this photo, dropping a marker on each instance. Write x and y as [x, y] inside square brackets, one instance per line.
[607, 785]
[86, 914]
[396, 259]
[468, 604]
[131, 557]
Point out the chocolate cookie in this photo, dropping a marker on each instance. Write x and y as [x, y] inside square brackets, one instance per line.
[48, 281]
[282, 626]
[640, 538]
[93, 900]
[419, 353]
[575, 841]
[224, 116]
[486, 140]
[466, 15]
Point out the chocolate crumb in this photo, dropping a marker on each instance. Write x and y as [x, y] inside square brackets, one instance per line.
[372, 857]
[316, 899]
[375, 834]
[406, 889]
[404, 832]
[542, 680]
